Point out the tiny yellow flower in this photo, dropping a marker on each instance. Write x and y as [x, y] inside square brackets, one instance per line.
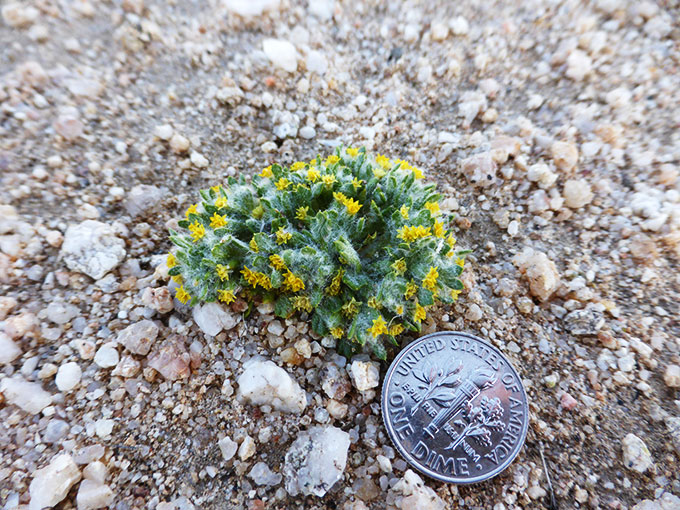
[216, 188]
[182, 295]
[264, 281]
[455, 294]
[404, 211]
[409, 234]
[352, 206]
[420, 313]
[293, 283]
[297, 166]
[312, 175]
[379, 173]
[217, 221]
[383, 161]
[226, 296]
[430, 281]
[379, 327]
[350, 308]
[282, 183]
[193, 209]
[328, 180]
[399, 266]
[249, 276]
[332, 159]
[334, 287]
[282, 236]
[357, 183]
[253, 245]
[300, 186]
[460, 262]
[301, 213]
[277, 262]
[411, 289]
[177, 279]
[417, 172]
[222, 272]
[396, 329]
[267, 172]
[374, 303]
[337, 332]
[302, 303]
[451, 241]
[433, 207]
[171, 261]
[197, 231]
[400, 310]
[352, 152]
[221, 202]
[438, 229]
[340, 197]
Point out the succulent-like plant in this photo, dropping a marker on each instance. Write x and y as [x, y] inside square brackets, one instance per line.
[356, 242]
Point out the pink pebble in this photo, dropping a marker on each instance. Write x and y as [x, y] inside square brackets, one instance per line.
[567, 401]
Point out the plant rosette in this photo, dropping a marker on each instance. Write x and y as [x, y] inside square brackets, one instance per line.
[355, 242]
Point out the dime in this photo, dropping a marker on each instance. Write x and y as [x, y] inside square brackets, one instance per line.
[455, 408]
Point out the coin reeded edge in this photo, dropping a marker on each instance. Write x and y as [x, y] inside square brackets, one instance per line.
[392, 434]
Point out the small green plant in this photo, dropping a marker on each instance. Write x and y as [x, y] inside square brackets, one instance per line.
[357, 242]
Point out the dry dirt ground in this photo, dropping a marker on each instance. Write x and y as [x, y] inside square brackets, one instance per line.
[549, 126]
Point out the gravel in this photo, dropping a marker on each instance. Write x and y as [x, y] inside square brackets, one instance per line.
[550, 131]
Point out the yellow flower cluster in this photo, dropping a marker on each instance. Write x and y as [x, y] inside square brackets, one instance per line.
[171, 261]
[352, 152]
[193, 209]
[221, 202]
[433, 207]
[182, 295]
[334, 287]
[379, 327]
[410, 234]
[226, 296]
[297, 166]
[293, 283]
[222, 272]
[302, 303]
[383, 161]
[411, 289]
[351, 308]
[352, 205]
[282, 184]
[420, 313]
[332, 159]
[282, 236]
[253, 245]
[337, 332]
[267, 172]
[256, 278]
[399, 266]
[312, 175]
[328, 180]
[430, 280]
[438, 229]
[417, 172]
[197, 231]
[301, 213]
[217, 221]
[396, 329]
[404, 211]
[277, 262]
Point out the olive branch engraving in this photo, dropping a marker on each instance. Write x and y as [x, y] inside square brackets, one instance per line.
[481, 420]
[437, 384]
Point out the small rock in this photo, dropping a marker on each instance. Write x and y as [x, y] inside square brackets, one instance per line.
[584, 322]
[316, 460]
[19, 15]
[459, 25]
[316, 63]
[61, 313]
[164, 132]
[107, 356]
[29, 396]
[415, 494]
[92, 247]
[672, 376]
[92, 495]
[474, 312]
[69, 125]
[228, 448]
[247, 448]
[673, 426]
[127, 367]
[68, 376]
[577, 193]
[139, 337]
[540, 271]
[636, 455]
[568, 402]
[541, 174]
[667, 501]
[9, 350]
[334, 381]
[179, 143]
[565, 156]
[55, 431]
[579, 65]
[307, 132]
[142, 198]
[7, 304]
[281, 53]
[479, 169]
[213, 318]
[199, 160]
[265, 383]
[160, 299]
[439, 31]
[52, 483]
[96, 471]
[171, 360]
[104, 427]
[262, 475]
[365, 375]
[251, 8]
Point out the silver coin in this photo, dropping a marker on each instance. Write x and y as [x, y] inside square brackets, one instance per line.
[455, 408]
